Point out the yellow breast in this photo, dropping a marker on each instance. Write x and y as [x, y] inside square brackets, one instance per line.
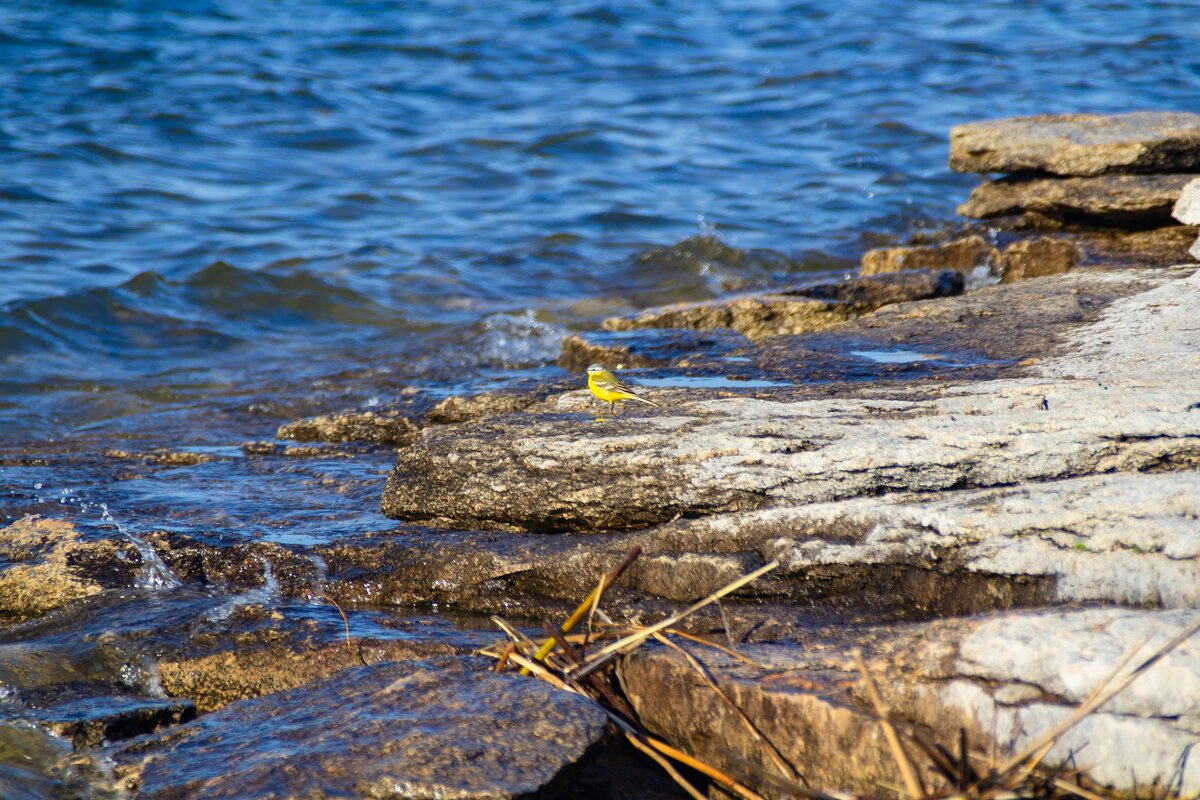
[605, 394]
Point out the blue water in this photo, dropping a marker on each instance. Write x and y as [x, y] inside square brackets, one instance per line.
[219, 216]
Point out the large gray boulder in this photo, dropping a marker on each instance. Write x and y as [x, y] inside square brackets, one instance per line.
[1079, 144]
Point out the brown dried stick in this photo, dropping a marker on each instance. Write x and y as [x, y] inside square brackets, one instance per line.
[911, 782]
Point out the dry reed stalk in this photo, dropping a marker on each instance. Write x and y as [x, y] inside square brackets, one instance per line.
[540, 671]
[591, 600]
[912, 782]
[667, 767]
[717, 775]
[610, 652]
[732, 653]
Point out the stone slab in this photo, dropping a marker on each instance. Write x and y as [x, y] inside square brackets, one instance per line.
[1079, 144]
[1104, 199]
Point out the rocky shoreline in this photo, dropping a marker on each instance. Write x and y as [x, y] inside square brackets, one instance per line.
[978, 462]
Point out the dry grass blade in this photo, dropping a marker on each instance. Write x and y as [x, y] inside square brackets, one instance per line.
[911, 780]
[540, 671]
[747, 723]
[1098, 699]
[712, 772]
[732, 653]
[1077, 790]
[610, 652]
[346, 623]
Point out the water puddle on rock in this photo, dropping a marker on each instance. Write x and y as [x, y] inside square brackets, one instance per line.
[896, 356]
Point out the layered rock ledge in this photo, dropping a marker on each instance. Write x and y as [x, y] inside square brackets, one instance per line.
[1048, 468]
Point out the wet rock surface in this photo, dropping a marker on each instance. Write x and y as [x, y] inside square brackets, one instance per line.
[449, 728]
[90, 716]
[46, 563]
[1079, 144]
[389, 427]
[799, 310]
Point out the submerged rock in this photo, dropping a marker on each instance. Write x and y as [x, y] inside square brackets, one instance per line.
[47, 563]
[88, 718]
[1007, 678]
[162, 457]
[1106, 199]
[1079, 144]
[376, 427]
[39, 765]
[253, 665]
[449, 728]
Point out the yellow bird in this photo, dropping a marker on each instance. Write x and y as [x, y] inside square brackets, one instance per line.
[611, 389]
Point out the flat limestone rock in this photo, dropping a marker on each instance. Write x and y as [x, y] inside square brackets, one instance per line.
[1079, 144]
[1040, 252]
[562, 471]
[1039, 257]
[449, 728]
[1121, 538]
[1107, 199]
[1006, 677]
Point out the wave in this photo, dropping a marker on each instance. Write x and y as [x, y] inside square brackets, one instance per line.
[215, 309]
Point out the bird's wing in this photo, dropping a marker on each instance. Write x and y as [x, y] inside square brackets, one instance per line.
[613, 385]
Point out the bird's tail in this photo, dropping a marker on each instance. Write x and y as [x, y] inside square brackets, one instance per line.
[644, 400]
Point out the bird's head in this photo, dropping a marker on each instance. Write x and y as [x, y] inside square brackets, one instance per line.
[595, 369]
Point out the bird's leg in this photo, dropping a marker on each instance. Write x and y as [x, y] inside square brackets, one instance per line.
[612, 407]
